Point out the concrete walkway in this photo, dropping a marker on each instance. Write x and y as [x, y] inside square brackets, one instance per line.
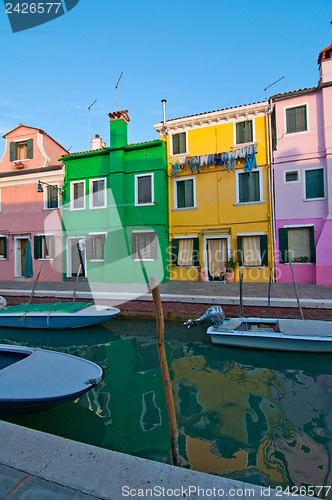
[39, 466]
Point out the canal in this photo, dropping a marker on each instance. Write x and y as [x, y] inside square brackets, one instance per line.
[261, 417]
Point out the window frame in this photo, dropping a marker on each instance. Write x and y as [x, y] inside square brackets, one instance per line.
[5, 255]
[175, 190]
[196, 261]
[235, 123]
[292, 171]
[72, 183]
[91, 181]
[46, 196]
[305, 184]
[28, 142]
[283, 251]
[135, 256]
[100, 233]
[258, 170]
[263, 258]
[287, 108]
[43, 237]
[171, 143]
[151, 175]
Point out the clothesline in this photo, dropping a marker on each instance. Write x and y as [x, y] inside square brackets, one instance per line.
[248, 153]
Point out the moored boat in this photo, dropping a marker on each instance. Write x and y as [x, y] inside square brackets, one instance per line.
[33, 379]
[56, 315]
[298, 335]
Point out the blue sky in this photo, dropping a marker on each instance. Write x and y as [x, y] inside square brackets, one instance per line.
[200, 56]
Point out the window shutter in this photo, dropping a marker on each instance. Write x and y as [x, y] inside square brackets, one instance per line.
[283, 245]
[50, 245]
[13, 151]
[180, 191]
[239, 250]
[134, 246]
[182, 142]
[29, 148]
[174, 249]
[37, 247]
[154, 247]
[314, 183]
[312, 244]
[264, 250]
[239, 133]
[89, 247]
[5, 247]
[274, 130]
[243, 187]
[253, 186]
[196, 252]
[248, 131]
[176, 144]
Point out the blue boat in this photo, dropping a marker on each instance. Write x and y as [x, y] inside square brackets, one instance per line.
[33, 379]
[59, 315]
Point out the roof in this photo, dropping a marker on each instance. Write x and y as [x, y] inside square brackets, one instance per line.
[110, 148]
[294, 93]
[215, 111]
[84, 152]
[38, 130]
[325, 54]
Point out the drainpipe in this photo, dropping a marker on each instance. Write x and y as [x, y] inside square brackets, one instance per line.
[271, 184]
[164, 115]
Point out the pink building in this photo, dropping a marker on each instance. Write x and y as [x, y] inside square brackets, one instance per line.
[302, 179]
[30, 219]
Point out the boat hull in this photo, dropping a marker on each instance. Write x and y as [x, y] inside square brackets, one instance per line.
[89, 316]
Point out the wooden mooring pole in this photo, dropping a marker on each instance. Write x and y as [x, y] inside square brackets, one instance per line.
[164, 370]
[269, 296]
[241, 296]
[297, 295]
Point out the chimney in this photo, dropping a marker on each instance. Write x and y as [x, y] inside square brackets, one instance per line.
[97, 143]
[118, 128]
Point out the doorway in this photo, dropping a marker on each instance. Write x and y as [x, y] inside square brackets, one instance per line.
[74, 262]
[20, 243]
[216, 249]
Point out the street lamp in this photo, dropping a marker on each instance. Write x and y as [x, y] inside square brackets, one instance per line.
[62, 192]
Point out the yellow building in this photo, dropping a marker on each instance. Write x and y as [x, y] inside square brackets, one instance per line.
[218, 192]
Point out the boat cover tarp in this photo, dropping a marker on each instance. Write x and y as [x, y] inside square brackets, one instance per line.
[231, 325]
[59, 307]
[315, 328]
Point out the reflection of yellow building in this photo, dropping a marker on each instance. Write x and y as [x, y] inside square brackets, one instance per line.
[218, 187]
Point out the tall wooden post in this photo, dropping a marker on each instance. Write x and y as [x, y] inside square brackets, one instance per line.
[164, 369]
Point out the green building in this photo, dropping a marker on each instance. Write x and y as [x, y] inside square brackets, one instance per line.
[115, 210]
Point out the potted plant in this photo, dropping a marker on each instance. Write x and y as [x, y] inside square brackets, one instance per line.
[201, 274]
[304, 259]
[230, 269]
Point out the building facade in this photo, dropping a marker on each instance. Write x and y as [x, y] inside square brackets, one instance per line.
[218, 192]
[116, 210]
[302, 174]
[30, 221]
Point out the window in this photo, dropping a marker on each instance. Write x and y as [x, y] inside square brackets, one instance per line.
[185, 193]
[144, 189]
[77, 198]
[44, 246]
[292, 176]
[144, 245]
[297, 244]
[3, 247]
[21, 150]
[95, 244]
[51, 198]
[296, 119]
[97, 197]
[249, 187]
[252, 250]
[179, 142]
[314, 183]
[244, 132]
[185, 252]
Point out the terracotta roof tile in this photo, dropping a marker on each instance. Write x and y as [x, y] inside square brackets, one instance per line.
[295, 92]
[34, 128]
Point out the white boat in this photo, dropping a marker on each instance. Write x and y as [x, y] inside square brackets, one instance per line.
[265, 333]
[56, 315]
[34, 379]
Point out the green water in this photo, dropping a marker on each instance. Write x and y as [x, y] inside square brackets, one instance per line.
[261, 417]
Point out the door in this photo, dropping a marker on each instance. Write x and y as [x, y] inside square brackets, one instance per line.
[216, 255]
[19, 249]
[76, 257]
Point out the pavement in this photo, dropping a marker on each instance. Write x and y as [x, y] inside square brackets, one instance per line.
[38, 466]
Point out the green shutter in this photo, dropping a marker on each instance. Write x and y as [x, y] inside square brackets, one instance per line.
[312, 244]
[13, 151]
[176, 144]
[296, 119]
[314, 183]
[196, 252]
[181, 194]
[274, 130]
[239, 250]
[264, 250]
[291, 121]
[283, 245]
[29, 148]
[37, 247]
[243, 187]
[174, 249]
[253, 186]
[5, 247]
[248, 137]
[239, 133]
[182, 142]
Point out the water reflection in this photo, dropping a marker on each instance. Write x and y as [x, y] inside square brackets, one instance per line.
[262, 417]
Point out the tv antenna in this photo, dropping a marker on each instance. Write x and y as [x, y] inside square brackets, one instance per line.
[116, 92]
[89, 107]
[271, 85]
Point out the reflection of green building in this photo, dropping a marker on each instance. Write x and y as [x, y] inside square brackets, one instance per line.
[116, 204]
